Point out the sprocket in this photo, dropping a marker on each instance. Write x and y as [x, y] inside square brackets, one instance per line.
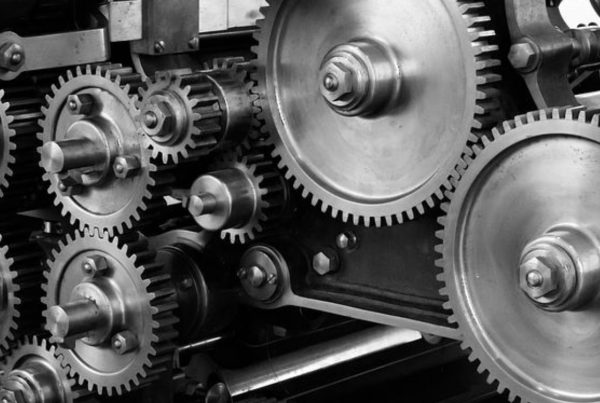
[519, 282]
[105, 356]
[377, 150]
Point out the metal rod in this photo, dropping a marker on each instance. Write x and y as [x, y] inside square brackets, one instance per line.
[309, 360]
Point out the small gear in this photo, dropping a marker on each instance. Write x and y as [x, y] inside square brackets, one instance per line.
[21, 275]
[111, 309]
[521, 284]
[188, 115]
[97, 167]
[37, 359]
[259, 194]
[353, 127]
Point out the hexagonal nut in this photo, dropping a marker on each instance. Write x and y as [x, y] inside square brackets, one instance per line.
[12, 56]
[344, 78]
[94, 265]
[549, 284]
[126, 166]
[346, 241]
[524, 56]
[12, 396]
[326, 262]
[81, 104]
[164, 121]
[124, 342]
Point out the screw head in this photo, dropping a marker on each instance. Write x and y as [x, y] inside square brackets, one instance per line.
[12, 56]
[256, 276]
[326, 262]
[124, 342]
[538, 277]
[524, 56]
[159, 46]
[126, 166]
[80, 104]
[94, 265]
[346, 240]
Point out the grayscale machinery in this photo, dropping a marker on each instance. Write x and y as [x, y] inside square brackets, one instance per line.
[299, 200]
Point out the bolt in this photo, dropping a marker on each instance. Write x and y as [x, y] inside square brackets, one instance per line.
[12, 56]
[524, 56]
[326, 262]
[126, 166]
[158, 119]
[341, 77]
[194, 43]
[159, 46]
[94, 265]
[272, 279]
[537, 277]
[256, 276]
[67, 189]
[124, 342]
[81, 104]
[346, 240]
[150, 119]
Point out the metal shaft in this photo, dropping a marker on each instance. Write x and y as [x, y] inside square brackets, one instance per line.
[74, 318]
[71, 154]
[310, 360]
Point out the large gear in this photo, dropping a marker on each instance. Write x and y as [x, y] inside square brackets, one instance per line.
[111, 309]
[522, 284]
[35, 359]
[191, 114]
[374, 136]
[20, 290]
[96, 165]
[260, 195]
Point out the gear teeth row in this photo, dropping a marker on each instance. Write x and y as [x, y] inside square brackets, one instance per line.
[155, 358]
[157, 179]
[256, 162]
[198, 94]
[43, 349]
[488, 113]
[21, 270]
[471, 154]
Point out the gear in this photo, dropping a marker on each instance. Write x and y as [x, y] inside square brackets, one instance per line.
[96, 165]
[21, 276]
[189, 115]
[376, 136]
[111, 309]
[38, 361]
[522, 284]
[250, 195]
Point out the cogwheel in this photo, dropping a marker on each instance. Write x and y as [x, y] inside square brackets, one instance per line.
[21, 276]
[122, 333]
[51, 378]
[353, 126]
[272, 193]
[96, 165]
[188, 115]
[521, 282]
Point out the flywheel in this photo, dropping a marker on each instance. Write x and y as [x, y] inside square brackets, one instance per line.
[370, 103]
[521, 256]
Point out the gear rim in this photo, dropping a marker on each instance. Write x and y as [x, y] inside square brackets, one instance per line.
[153, 355]
[472, 171]
[479, 39]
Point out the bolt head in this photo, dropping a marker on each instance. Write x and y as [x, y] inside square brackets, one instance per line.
[159, 46]
[12, 56]
[126, 166]
[337, 72]
[326, 262]
[81, 104]
[537, 277]
[158, 120]
[256, 277]
[524, 56]
[124, 342]
[94, 265]
[346, 240]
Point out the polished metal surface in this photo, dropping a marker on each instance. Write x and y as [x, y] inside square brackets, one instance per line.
[388, 167]
[538, 339]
